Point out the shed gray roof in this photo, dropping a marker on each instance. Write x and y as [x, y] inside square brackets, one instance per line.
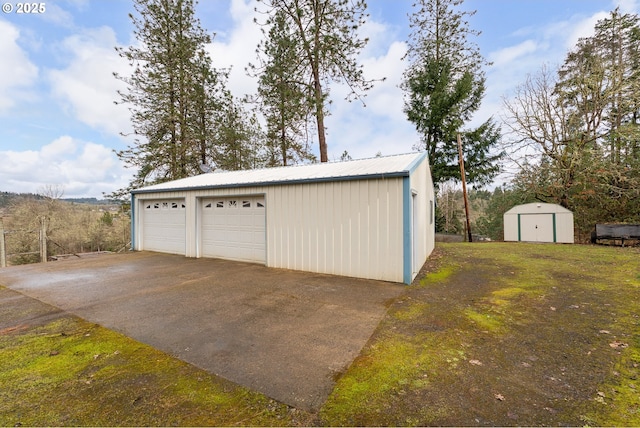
[379, 167]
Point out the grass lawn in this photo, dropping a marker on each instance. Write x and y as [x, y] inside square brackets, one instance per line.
[504, 334]
[494, 334]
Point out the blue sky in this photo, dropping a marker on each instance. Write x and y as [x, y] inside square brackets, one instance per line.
[59, 124]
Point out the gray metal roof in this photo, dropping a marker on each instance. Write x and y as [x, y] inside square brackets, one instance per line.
[379, 167]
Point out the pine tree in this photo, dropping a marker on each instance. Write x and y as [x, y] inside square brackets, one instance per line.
[283, 95]
[326, 33]
[237, 139]
[171, 92]
[444, 85]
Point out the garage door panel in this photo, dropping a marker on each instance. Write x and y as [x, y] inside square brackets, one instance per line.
[163, 226]
[234, 228]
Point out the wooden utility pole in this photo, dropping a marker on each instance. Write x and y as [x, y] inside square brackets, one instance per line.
[464, 188]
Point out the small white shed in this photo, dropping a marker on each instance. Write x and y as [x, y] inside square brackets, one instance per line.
[370, 218]
[539, 222]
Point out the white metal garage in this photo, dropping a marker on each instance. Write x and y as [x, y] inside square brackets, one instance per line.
[539, 222]
[370, 218]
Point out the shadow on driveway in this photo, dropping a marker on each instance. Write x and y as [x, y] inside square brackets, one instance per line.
[284, 333]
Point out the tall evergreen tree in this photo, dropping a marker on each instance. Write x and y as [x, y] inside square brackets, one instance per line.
[444, 85]
[283, 94]
[170, 92]
[238, 139]
[326, 33]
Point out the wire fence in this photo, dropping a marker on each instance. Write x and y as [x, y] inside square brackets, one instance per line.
[39, 235]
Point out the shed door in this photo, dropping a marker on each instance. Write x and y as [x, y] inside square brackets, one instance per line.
[163, 226]
[234, 228]
[536, 227]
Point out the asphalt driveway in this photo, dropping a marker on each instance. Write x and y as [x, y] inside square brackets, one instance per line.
[283, 333]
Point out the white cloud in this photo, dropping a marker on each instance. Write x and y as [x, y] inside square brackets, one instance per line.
[238, 50]
[80, 168]
[546, 45]
[512, 53]
[87, 86]
[381, 126]
[581, 28]
[17, 72]
[57, 15]
[627, 6]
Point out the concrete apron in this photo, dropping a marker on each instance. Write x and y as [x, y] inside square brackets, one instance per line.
[284, 333]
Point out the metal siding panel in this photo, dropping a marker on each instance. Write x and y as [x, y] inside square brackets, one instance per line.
[394, 226]
[190, 225]
[406, 231]
[274, 233]
[354, 228]
[391, 219]
[363, 227]
[307, 228]
[510, 227]
[323, 255]
[299, 242]
[419, 181]
[345, 228]
[564, 227]
[373, 218]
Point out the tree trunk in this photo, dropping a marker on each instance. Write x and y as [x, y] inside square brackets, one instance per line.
[319, 102]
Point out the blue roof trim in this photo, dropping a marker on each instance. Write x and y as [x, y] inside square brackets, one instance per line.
[279, 182]
[406, 231]
[416, 163]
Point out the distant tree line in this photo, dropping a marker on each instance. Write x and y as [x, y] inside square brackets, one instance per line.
[574, 134]
[71, 228]
[575, 130]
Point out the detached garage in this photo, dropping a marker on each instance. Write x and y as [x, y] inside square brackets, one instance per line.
[539, 222]
[370, 218]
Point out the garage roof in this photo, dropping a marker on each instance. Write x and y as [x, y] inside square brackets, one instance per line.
[379, 167]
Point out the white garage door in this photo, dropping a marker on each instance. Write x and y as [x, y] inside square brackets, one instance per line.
[163, 226]
[234, 228]
[536, 227]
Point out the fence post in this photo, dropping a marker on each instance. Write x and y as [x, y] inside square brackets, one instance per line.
[3, 249]
[43, 239]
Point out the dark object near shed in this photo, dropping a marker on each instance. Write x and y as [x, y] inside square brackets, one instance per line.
[620, 232]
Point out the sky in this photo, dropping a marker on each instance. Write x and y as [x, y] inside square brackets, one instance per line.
[59, 125]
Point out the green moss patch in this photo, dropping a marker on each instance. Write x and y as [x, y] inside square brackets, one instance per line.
[73, 373]
[504, 334]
